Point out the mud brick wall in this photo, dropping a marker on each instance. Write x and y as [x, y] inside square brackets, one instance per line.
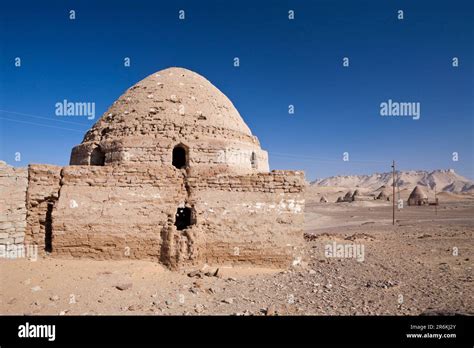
[13, 185]
[205, 152]
[43, 192]
[129, 212]
[116, 212]
[255, 219]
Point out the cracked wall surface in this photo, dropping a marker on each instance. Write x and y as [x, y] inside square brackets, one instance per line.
[13, 184]
[128, 212]
[43, 192]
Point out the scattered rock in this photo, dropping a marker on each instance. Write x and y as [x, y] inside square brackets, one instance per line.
[271, 310]
[104, 273]
[199, 308]
[356, 236]
[134, 307]
[195, 274]
[198, 284]
[124, 286]
[384, 284]
[173, 98]
[215, 273]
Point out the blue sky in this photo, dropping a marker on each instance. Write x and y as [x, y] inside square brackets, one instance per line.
[282, 62]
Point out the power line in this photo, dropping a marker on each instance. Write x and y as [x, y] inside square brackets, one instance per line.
[41, 117]
[273, 154]
[42, 125]
[276, 154]
[393, 193]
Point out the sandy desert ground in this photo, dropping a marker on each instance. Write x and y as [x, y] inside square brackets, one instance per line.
[421, 265]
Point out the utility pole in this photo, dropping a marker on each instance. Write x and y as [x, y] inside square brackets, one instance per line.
[436, 203]
[393, 195]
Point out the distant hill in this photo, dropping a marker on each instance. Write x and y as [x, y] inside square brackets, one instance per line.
[446, 180]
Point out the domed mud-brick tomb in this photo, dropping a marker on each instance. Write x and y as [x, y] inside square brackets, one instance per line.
[170, 172]
[173, 115]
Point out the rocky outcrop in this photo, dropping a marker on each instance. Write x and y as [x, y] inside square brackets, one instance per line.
[442, 180]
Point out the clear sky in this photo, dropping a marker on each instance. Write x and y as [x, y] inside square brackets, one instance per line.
[282, 62]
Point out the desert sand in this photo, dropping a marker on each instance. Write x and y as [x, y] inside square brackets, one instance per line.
[423, 264]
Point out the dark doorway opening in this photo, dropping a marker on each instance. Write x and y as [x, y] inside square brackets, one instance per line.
[183, 218]
[179, 157]
[48, 229]
[97, 157]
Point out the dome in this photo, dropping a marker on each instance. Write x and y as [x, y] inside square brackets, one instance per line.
[417, 197]
[173, 107]
[417, 193]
